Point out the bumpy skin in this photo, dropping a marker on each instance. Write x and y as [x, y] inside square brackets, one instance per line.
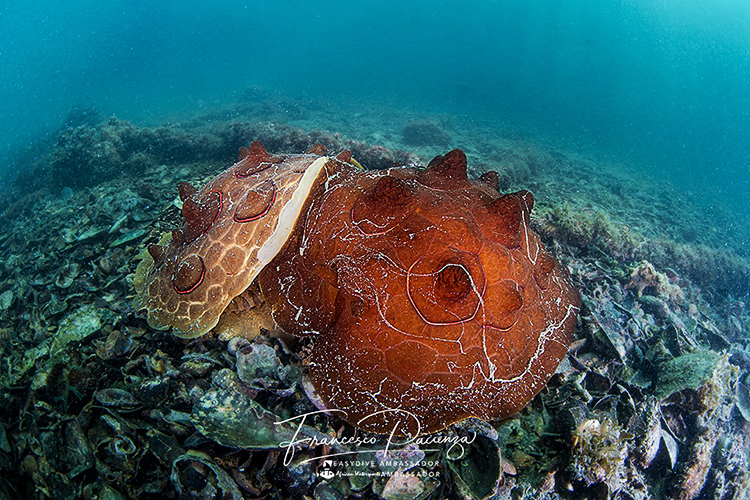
[430, 298]
[216, 254]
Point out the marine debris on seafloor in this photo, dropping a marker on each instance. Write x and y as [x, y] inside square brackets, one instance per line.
[651, 402]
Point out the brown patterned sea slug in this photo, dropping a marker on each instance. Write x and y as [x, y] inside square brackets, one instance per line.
[428, 297]
[233, 228]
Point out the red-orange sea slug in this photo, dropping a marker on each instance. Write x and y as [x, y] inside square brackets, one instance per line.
[427, 297]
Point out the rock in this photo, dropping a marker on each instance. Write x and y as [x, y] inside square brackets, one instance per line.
[76, 326]
[654, 305]
[424, 133]
[688, 371]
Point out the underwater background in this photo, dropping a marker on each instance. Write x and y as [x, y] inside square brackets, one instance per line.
[660, 84]
[630, 122]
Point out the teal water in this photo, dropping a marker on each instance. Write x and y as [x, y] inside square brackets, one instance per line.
[663, 84]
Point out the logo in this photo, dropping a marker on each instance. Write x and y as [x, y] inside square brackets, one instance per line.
[325, 471]
[347, 445]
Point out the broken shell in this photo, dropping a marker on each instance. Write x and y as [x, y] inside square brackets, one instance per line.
[216, 482]
[109, 262]
[478, 471]
[117, 399]
[198, 365]
[118, 224]
[743, 401]
[56, 304]
[647, 427]
[735, 327]
[164, 448]
[128, 237]
[6, 300]
[79, 454]
[91, 233]
[122, 446]
[4, 444]
[116, 344]
[68, 235]
[67, 274]
[670, 443]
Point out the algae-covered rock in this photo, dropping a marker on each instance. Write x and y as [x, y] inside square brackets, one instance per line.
[688, 371]
[232, 419]
[6, 300]
[76, 326]
[424, 133]
[600, 448]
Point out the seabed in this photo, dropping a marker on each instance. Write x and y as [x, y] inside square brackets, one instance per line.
[651, 402]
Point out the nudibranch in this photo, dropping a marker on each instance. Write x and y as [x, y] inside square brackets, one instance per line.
[426, 295]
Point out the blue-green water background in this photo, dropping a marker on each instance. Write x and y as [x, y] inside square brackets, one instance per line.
[663, 84]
